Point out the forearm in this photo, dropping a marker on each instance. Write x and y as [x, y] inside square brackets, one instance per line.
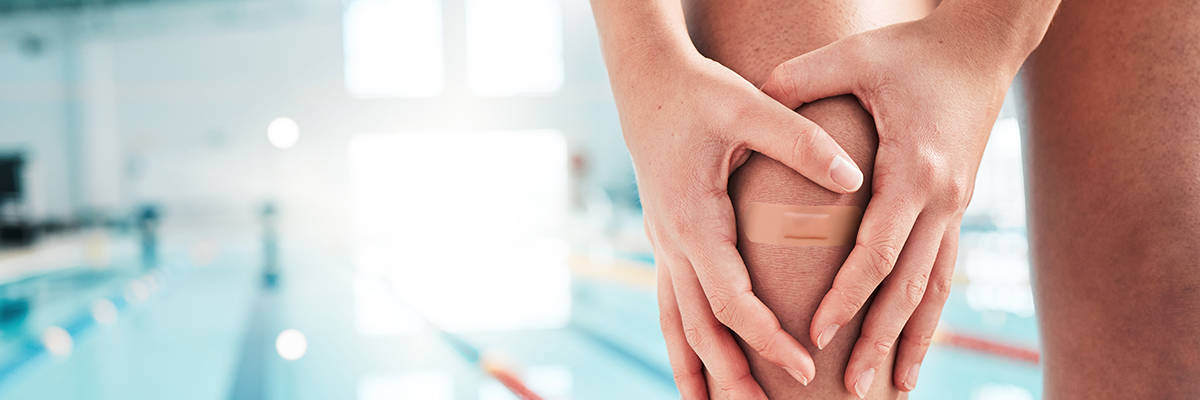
[637, 36]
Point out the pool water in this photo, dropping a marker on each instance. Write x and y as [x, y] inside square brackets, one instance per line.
[210, 328]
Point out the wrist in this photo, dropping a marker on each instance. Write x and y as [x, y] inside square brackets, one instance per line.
[1007, 29]
[641, 36]
[645, 70]
[650, 58]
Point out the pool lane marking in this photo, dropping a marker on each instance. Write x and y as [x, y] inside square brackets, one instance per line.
[474, 355]
[509, 379]
[33, 348]
[250, 372]
[494, 368]
[993, 347]
[663, 376]
[638, 271]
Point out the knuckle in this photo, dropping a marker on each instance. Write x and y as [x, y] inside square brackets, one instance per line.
[760, 345]
[725, 308]
[673, 258]
[849, 303]
[732, 386]
[694, 336]
[928, 174]
[676, 224]
[914, 290]
[921, 341]
[881, 257]
[685, 377]
[884, 175]
[958, 194]
[951, 191]
[881, 346]
[951, 196]
[681, 377]
[782, 84]
[720, 306]
[699, 248]
[782, 72]
[727, 389]
[930, 168]
[802, 144]
[939, 289]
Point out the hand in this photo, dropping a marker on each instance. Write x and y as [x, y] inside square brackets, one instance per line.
[934, 87]
[688, 124]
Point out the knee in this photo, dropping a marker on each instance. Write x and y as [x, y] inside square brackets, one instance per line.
[791, 280]
[764, 179]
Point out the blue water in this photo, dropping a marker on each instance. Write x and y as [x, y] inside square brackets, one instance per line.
[209, 332]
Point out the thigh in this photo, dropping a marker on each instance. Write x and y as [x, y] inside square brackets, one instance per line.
[752, 37]
[1113, 174]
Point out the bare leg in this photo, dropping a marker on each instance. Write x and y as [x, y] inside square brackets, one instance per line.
[1113, 154]
[752, 37]
[792, 280]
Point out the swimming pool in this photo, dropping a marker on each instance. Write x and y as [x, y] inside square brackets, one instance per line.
[208, 327]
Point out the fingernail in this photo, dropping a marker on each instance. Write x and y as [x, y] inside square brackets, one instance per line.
[910, 379]
[864, 383]
[845, 174]
[796, 374]
[826, 336]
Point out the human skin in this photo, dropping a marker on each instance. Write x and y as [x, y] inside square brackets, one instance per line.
[689, 122]
[746, 37]
[1112, 147]
[925, 165]
[934, 87]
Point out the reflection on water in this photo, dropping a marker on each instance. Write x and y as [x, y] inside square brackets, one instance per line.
[1001, 392]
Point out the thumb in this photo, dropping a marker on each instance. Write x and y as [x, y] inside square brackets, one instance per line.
[825, 72]
[799, 143]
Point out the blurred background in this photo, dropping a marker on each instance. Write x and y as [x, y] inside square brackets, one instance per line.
[366, 199]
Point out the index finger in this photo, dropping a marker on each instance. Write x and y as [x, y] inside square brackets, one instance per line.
[797, 142]
[726, 283]
[885, 227]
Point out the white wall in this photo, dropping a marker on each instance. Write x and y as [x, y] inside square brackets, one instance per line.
[33, 95]
[173, 100]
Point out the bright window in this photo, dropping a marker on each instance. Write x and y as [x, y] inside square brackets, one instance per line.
[514, 47]
[467, 226]
[393, 48]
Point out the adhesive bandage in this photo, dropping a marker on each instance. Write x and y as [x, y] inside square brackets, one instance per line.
[790, 225]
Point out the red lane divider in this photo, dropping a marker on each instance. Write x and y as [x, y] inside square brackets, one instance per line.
[510, 380]
[486, 360]
[988, 346]
[640, 274]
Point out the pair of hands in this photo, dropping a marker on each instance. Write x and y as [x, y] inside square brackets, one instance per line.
[934, 91]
